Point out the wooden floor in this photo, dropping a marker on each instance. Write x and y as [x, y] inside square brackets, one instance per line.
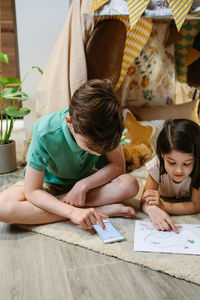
[34, 267]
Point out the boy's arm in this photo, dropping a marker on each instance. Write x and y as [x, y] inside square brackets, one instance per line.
[183, 208]
[35, 194]
[113, 169]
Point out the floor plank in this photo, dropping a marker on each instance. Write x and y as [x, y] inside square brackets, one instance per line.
[34, 267]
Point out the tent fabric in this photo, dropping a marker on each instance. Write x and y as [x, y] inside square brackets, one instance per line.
[66, 69]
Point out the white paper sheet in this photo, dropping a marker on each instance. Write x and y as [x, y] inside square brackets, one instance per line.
[147, 238]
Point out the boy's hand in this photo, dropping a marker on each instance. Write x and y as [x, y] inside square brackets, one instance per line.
[86, 217]
[152, 197]
[76, 196]
[161, 220]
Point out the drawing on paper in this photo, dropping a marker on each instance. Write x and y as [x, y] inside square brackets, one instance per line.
[147, 238]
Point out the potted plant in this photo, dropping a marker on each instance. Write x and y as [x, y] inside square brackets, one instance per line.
[10, 90]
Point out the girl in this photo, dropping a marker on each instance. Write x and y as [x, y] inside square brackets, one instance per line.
[173, 173]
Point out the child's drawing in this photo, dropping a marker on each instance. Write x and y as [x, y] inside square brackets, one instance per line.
[147, 238]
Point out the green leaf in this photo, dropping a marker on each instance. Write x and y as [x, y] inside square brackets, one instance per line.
[13, 94]
[5, 81]
[4, 57]
[16, 112]
[40, 70]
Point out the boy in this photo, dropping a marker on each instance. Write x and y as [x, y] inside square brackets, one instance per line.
[59, 182]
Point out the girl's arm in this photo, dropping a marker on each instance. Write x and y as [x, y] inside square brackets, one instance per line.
[150, 195]
[159, 218]
[151, 184]
[184, 208]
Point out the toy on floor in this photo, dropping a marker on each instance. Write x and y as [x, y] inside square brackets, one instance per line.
[136, 156]
[136, 142]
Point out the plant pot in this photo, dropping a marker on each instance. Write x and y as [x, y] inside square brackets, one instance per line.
[8, 161]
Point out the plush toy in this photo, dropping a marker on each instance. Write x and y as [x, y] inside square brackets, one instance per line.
[136, 142]
[136, 156]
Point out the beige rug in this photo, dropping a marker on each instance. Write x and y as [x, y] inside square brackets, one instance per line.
[177, 265]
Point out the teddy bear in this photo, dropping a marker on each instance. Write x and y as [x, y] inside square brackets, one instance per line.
[136, 156]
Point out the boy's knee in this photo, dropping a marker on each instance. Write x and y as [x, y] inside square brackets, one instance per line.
[8, 205]
[6, 209]
[130, 185]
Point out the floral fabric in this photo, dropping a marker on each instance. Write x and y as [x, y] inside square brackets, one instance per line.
[150, 80]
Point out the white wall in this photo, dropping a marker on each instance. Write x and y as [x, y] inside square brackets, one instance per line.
[39, 23]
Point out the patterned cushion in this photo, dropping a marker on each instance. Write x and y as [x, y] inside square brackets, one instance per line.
[188, 110]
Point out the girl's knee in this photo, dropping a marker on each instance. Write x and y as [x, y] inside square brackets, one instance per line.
[130, 185]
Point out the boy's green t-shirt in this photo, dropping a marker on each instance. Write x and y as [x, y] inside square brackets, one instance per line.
[54, 150]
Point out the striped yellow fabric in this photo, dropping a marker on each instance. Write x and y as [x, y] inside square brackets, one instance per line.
[136, 38]
[136, 9]
[97, 3]
[179, 9]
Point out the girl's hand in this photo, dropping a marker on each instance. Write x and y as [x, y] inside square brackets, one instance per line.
[161, 220]
[86, 217]
[152, 197]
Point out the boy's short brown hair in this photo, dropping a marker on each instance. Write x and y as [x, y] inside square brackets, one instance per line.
[96, 113]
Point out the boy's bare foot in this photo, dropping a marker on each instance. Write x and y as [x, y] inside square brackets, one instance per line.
[117, 210]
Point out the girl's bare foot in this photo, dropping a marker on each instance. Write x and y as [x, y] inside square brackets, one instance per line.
[117, 210]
